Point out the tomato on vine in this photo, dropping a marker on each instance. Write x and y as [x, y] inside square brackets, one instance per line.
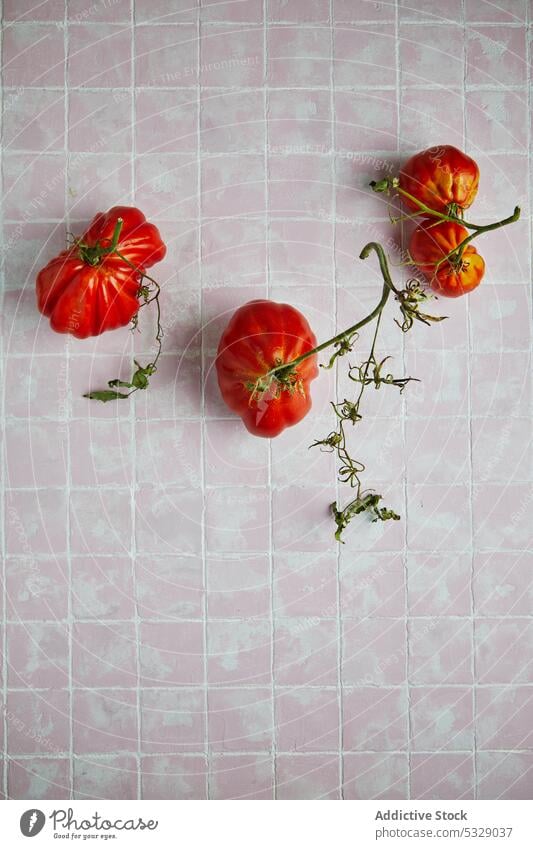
[266, 379]
[267, 358]
[443, 178]
[438, 184]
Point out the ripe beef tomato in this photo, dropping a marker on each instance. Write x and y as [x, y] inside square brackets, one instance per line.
[443, 178]
[263, 335]
[431, 243]
[91, 288]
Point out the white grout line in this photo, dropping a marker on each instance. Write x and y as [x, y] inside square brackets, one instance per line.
[280, 152]
[340, 24]
[172, 688]
[511, 88]
[266, 106]
[70, 624]
[509, 685]
[3, 464]
[340, 693]
[221, 418]
[470, 446]
[237, 753]
[408, 718]
[512, 413]
[133, 426]
[167, 621]
[227, 555]
[518, 88]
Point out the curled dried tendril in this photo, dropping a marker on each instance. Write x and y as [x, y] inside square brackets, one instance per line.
[361, 374]
[410, 300]
[343, 346]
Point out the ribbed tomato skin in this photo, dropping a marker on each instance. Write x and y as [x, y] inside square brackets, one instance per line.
[260, 335]
[430, 243]
[87, 300]
[140, 240]
[440, 177]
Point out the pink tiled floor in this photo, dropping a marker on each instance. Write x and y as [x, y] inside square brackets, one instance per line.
[179, 622]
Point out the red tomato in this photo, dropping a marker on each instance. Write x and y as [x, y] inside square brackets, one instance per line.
[260, 336]
[430, 243]
[443, 178]
[85, 291]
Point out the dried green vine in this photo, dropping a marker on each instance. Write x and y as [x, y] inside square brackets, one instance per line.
[370, 372]
[148, 293]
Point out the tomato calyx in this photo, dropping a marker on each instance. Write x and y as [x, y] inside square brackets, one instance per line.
[456, 262]
[454, 210]
[95, 254]
[281, 378]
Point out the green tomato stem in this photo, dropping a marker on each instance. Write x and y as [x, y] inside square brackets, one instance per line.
[388, 287]
[479, 228]
[116, 236]
[92, 254]
[457, 253]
